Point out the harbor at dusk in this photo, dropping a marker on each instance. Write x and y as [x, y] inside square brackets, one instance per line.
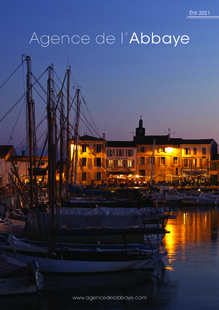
[187, 277]
[109, 158]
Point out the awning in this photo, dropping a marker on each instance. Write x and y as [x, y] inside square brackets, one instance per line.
[195, 173]
[120, 172]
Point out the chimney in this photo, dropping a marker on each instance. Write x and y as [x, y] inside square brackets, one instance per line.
[23, 153]
[104, 136]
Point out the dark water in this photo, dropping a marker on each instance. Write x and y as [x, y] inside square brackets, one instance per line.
[188, 278]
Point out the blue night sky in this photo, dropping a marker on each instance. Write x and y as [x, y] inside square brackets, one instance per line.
[172, 86]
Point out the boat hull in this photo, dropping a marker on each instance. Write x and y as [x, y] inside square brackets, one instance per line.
[78, 262]
[198, 201]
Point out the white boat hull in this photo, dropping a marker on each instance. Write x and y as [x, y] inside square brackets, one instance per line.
[198, 201]
[78, 266]
[82, 260]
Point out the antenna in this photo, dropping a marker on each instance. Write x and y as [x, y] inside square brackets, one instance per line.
[132, 133]
[169, 132]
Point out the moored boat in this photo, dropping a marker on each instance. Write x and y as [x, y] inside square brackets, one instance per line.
[17, 277]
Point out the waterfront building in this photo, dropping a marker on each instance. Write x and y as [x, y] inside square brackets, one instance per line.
[121, 161]
[91, 163]
[214, 172]
[22, 165]
[173, 159]
[196, 157]
[5, 152]
[11, 163]
[99, 162]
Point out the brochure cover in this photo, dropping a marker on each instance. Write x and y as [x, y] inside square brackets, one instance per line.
[153, 63]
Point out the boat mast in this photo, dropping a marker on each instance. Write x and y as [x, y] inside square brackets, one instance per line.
[68, 132]
[77, 135]
[51, 149]
[61, 147]
[29, 104]
[152, 163]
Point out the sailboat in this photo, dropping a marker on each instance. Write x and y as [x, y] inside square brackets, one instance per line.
[71, 260]
[82, 260]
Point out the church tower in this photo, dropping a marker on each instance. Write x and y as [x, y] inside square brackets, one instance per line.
[140, 131]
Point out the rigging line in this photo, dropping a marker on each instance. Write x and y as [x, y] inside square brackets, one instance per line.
[61, 90]
[73, 102]
[90, 125]
[64, 88]
[33, 131]
[61, 83]
[74, 79]
[39, 94]
[37, 80]
[57, 76]
[96, 131]
[17, 102]
[89, 113]
[37, 127]
[11, 74]
[12, 107]
[16, 121]
[66, 73]
[42, 135]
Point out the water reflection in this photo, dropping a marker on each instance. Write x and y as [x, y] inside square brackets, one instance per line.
[125, 290]
[194, 231]
[187, 278]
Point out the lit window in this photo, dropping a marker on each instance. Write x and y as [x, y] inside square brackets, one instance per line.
[120, 163]
[187, 151]
[186, 162]
[162, 160]
[129, 163]
[110, 163]
[175, 160]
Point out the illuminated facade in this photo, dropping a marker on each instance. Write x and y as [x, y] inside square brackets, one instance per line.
[5, 152]
[121, 159]
[165, 157]
[91, 164]
[100, 161]
[22, 165]
[173, 159]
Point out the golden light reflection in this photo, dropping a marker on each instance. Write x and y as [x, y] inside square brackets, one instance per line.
[189, 230]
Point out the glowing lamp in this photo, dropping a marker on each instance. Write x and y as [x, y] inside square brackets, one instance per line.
[169, 149]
